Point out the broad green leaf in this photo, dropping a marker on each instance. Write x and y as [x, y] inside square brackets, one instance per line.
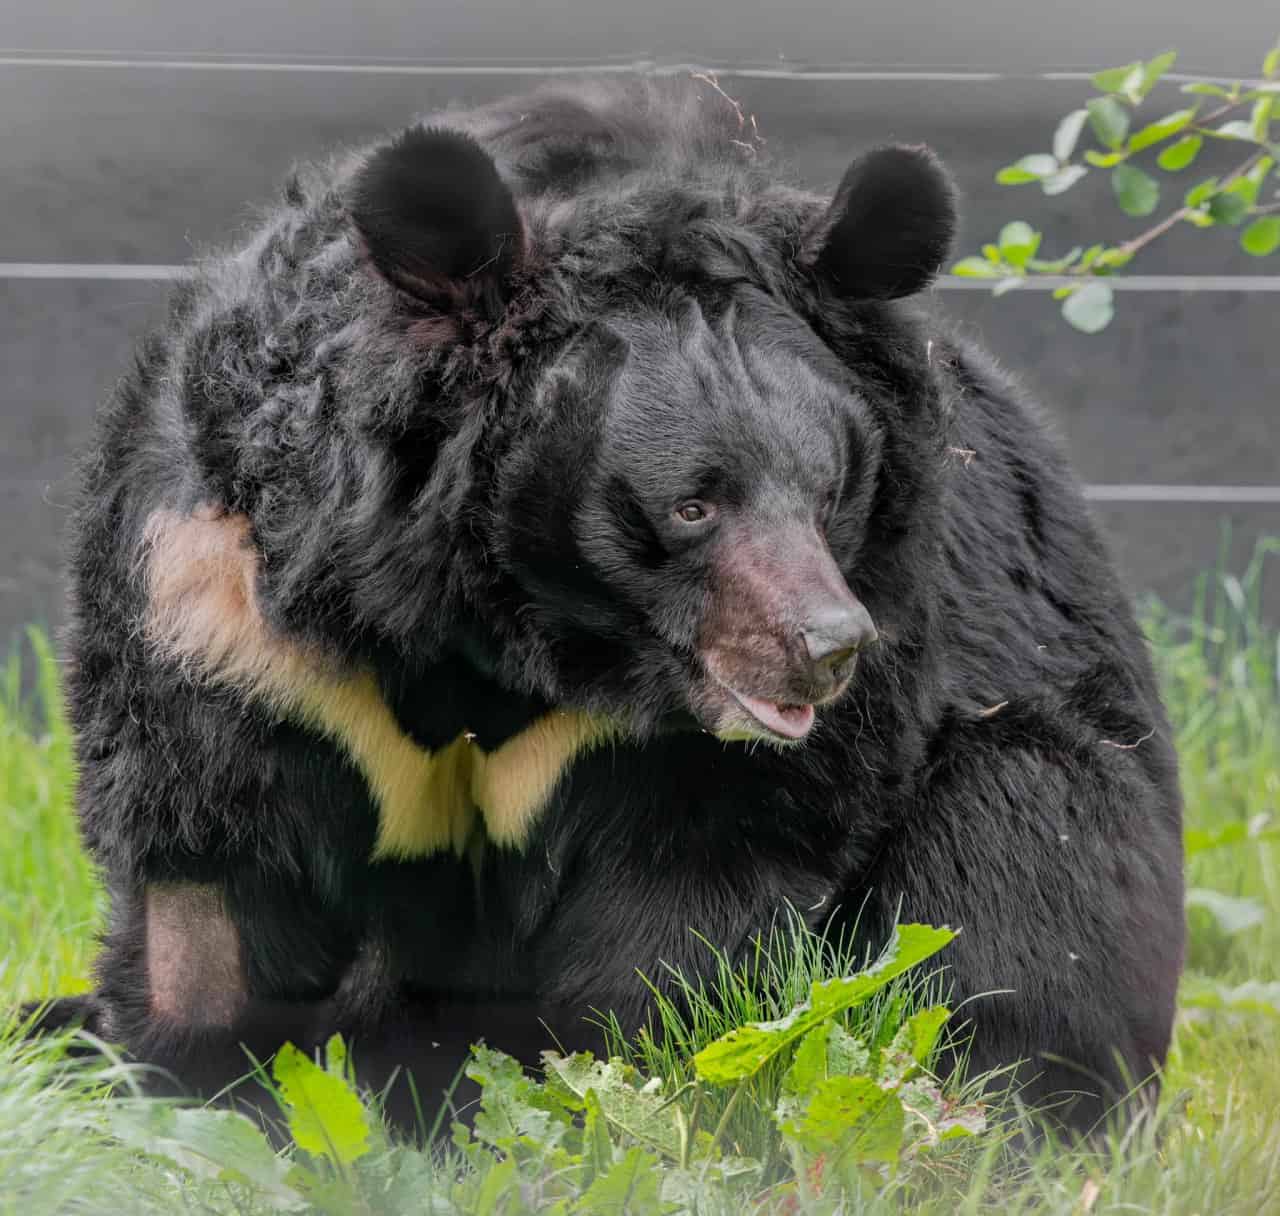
[1155, 68]
[1119, 80]
[1234, 130]
[1261, 238]
[1137, 192]
[1109, 120]
[326, 1117]
[943, 1118]
[597, 1148]
[1180, 154]
[1228, 207]
[513, 1107]
[217, 1144]
[631, 1187]
[1089, 308]
[643, 1114]
[497, 1191]
[846, 1055]
[1068, 133]
[1162, 128]
[809, 1064]
[1063, 180]
[1018, 243]
[1104, 160]
[1232, 914]
[975, 268]
[1200, 193]
[920, 1033]
[850, 1119]
[1029, 169]
[1271, 64]
[743, 1051]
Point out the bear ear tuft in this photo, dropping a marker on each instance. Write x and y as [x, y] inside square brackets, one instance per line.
[890, 226]
[437, 219]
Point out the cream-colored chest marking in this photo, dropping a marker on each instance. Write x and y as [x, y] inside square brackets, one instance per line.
[203, 613]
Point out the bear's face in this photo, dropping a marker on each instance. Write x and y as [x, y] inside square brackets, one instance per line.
[683, 485]
[680, 525]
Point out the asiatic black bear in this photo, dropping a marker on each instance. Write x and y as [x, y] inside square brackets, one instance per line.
[549, 537]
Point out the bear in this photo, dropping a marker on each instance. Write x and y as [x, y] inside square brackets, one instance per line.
[552, 539]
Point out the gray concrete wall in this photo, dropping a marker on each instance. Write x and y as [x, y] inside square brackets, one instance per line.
[141, 163]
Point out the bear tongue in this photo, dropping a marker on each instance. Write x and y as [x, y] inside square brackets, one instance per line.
[789, 721]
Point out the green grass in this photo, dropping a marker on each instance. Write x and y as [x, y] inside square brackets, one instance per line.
[1214, 1146]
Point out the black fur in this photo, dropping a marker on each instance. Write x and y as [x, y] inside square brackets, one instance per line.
[473, 494]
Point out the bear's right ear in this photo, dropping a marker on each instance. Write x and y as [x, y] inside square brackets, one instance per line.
[437, 220]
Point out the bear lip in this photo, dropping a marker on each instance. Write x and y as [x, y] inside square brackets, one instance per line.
[787, 721]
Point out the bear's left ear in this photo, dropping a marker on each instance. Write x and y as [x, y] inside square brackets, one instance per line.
[889, 228]
[437, 219]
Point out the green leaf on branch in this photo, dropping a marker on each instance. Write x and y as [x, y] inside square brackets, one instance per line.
[1057, 265]
[1126, 80]
[326, 1116]
[1201, 193]
[1068, 133]
[1089, 308]
[975, 268]
[1113, 259]
[1162, 128]
[1138, 193]
[1109, 120]
[1234, 130]
[1029, 169]
[1104, 160]
[1018, 243]
[745, 1050]
[1063, 180]
[1260, 118]
[1228, 207]
[1155, 68]
[1179, 155]
[1271, 64]
[1261, 238]
[1204, 89]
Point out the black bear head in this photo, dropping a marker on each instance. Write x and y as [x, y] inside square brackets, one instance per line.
[701, 512]
[889, 228]
[437, 220]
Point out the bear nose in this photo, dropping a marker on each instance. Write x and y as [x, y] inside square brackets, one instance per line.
[833, 636]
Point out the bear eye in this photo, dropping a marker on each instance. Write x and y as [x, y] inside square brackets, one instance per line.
[694, 512]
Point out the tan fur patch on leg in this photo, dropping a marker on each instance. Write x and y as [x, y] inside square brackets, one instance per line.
[194, 974]
[512, 785]
[202, 574]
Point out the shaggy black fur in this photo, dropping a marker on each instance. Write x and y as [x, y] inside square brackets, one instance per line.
[606, 422]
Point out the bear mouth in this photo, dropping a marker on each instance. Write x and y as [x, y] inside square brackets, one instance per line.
[789, 722]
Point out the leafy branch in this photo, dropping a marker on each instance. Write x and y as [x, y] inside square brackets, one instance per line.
[1246, 114]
